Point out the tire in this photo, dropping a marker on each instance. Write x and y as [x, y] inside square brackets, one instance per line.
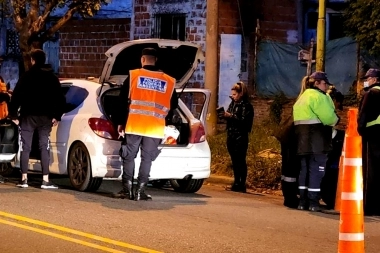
[79, 169]
[6, 169]
[186, 186]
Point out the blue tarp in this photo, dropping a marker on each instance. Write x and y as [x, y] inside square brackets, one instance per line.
[279, 71]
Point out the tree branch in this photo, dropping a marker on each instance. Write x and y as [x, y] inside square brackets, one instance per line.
[69, 14]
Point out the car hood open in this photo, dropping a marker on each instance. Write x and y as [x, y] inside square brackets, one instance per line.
[178, 59]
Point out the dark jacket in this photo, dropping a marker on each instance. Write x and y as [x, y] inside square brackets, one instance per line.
[241, 121]
[122, 114]
[369, 110]
[38, 93]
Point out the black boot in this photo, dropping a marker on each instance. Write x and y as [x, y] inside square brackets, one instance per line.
[140, 192]
[126, 192]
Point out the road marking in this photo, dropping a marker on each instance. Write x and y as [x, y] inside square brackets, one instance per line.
[75, 232]
[66, 238]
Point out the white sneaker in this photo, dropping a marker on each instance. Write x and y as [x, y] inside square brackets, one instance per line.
[48, 185]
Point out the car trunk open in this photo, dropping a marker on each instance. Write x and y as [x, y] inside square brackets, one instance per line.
[176, 58]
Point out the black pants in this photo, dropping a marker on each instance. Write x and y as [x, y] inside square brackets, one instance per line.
[371, 176]
[237, 148]
[311, 174]
[290, 171]
[28, 125]
[149, 152]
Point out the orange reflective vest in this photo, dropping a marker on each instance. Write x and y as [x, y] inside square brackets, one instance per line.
[3, 105]
[150, 93]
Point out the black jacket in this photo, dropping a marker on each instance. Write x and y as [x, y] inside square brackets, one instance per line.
[241, 121]
[122, 115]
[38, 93]
[369, 110]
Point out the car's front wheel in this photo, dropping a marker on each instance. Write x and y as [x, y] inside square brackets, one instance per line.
[186, 186]
[79, 169]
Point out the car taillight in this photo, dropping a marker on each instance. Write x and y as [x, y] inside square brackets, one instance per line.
[103, 128]
[197, 134]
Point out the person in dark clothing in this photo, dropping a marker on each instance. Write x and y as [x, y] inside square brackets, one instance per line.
[369, 129]
[39, 99]
[4, 100]
[239, 116]
[290, 166]
[330, 180]
[146, 98]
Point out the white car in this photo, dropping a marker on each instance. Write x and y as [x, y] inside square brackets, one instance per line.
[85, 144]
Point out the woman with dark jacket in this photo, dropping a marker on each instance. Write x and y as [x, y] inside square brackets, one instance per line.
[239, 116]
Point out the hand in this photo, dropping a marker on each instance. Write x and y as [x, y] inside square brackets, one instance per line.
[15, 121]
[54, 122]
[120, 130]
[227, 115]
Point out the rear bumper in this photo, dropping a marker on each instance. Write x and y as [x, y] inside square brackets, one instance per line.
[172, 163]
[7, 158]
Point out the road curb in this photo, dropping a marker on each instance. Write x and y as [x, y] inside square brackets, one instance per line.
[219, 180]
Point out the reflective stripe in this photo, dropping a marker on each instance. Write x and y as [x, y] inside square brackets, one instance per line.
[145, 112]
[352, 161]
[374, 122]
[151, 104]
[288, 179]
[307, 122]
[352, 237]
[352, 195]
[302, 187]
[314, 190]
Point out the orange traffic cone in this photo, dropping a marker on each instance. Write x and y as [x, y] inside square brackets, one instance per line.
[351, 227]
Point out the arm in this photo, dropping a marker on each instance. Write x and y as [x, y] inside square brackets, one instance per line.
[324, 110]
[121, 115]
[362, 116]
[60, 99]
[17, 97]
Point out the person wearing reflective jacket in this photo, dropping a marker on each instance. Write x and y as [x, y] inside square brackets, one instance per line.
[146, 98]
[314, 116]
[369, 129]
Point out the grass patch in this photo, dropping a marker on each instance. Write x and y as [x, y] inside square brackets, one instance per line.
[263, 157]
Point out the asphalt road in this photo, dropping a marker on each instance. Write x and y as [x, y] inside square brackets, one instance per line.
[212, 220]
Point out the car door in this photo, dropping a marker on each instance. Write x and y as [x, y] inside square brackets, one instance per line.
[197, 101]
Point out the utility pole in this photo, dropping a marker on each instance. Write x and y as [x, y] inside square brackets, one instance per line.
[211, 67]
[321, 36]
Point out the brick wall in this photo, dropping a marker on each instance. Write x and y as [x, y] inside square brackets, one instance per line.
[229, 17]
[278, 20]
[84, 42]
[195, 10]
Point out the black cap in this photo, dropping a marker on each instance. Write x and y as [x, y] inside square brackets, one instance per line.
[149, 51]
[372, 73]
[319, 75]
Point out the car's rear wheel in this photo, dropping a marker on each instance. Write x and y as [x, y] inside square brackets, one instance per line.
[6, 169]
[186, 186]
[79, 169]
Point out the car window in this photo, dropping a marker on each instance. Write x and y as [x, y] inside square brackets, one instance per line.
[194, 102]
[74, 97]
